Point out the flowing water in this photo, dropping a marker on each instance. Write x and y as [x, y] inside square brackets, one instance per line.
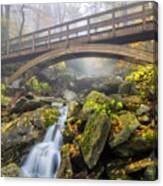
[45, 158]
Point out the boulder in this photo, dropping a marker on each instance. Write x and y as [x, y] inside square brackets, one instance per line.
[142, 140]
[93, 102]
[122, 128]
[11, 170]
[127, 88]
[94, 138]
[22, 132]
[23, 104]
[107, 86]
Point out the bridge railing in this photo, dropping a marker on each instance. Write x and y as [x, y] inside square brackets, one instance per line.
[107, 21]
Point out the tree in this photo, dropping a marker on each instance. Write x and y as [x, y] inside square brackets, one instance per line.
[5, 25]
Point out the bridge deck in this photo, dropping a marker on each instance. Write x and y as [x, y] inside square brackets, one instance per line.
[136, 21]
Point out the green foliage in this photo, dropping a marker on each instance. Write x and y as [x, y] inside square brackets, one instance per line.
[98, 102]
[119, 105]
[3, 88]
[5, 100]
[145, 79]
[34, 84]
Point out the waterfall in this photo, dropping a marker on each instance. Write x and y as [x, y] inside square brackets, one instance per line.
[44, 159]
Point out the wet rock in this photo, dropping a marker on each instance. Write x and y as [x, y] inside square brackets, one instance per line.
[143, 109]
[11, 170]
[142, 140]
[122, 128]
[94, 137]
[107, 86]
[22, 132]
[96, 173]
[93, 102]
[23, 104]
[127, 88]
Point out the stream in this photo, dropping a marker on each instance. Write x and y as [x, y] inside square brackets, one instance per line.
[44, 159]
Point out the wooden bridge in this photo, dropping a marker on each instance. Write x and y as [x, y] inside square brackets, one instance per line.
[90, 34]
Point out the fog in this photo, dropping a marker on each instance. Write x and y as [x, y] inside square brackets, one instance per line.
[92, 66]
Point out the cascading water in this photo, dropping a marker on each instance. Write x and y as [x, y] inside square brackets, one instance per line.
[44, 159]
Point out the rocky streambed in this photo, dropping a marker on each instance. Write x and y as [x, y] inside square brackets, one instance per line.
[110, 131]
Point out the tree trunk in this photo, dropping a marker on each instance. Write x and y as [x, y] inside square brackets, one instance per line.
[22, 25]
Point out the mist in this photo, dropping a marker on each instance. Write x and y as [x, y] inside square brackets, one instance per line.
[92, 66]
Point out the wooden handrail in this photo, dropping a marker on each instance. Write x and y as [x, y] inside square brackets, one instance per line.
[33, 39]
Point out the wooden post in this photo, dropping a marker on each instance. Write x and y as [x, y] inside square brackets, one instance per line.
[33, 42]
[88, 23]
[8, 46]
[113, 23]
[49, 38]
[67, 35]
[20, 43]
[144, 17]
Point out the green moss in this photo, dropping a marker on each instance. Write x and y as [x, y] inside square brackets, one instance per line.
[93, 138]
[141, 140]
[122, 128]
[10, 170]
[145, 78]
[5, 100]
[34, 84]
[46, 117]
[119, 105]
[49, 116]
[98, 102]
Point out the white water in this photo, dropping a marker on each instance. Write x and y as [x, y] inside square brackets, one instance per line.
[44, 159]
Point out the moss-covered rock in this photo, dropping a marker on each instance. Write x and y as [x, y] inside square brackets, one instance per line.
[33, 84]
[132, 169]
[65, 169]
[132, 103]
[142, 139]
[95, 101]
[94, 137]
[10, 170]
[127, 88]
[26, 103]
[122, 128]
[22, 132]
